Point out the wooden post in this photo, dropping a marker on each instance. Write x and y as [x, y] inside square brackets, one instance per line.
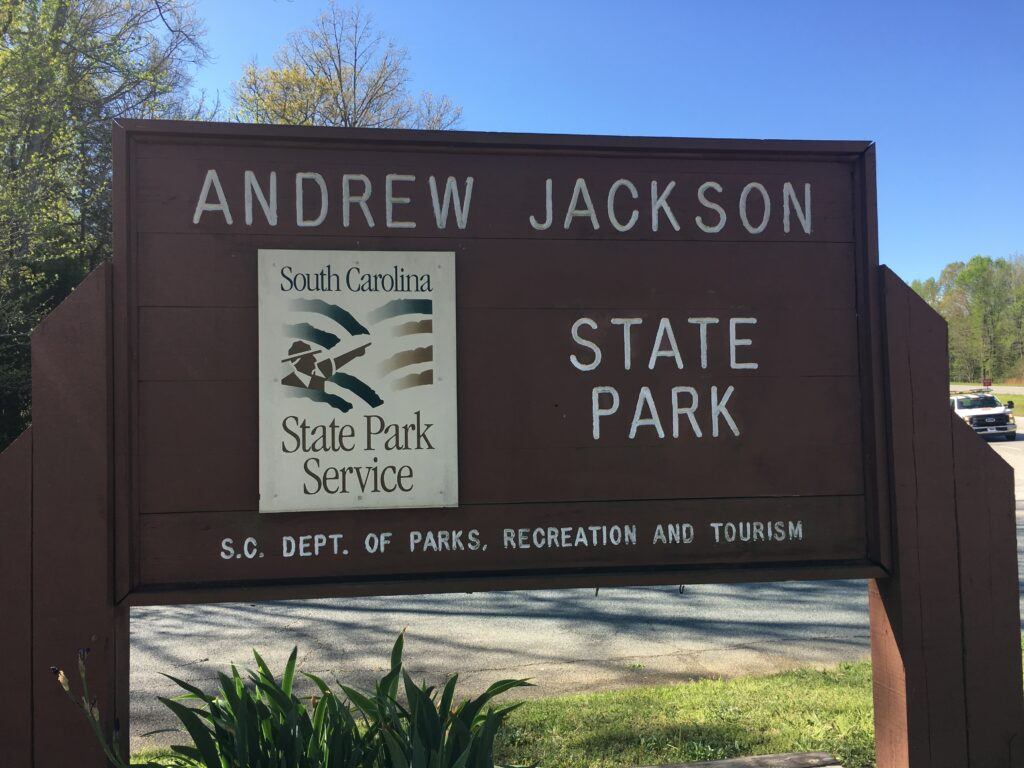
[72, 530]
[16, 599]
[945, 629]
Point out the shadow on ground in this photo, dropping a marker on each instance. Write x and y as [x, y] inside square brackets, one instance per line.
[563, 640]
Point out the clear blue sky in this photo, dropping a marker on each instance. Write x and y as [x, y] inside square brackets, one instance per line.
[938, 85]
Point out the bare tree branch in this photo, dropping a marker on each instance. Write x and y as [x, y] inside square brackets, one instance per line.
[339, 71]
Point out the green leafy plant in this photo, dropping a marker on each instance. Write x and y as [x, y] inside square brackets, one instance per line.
[256, 720]
[429, 732]
[260, 723]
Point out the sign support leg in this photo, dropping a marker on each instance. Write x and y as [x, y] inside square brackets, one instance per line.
[72, 528]
[16, 598]
[945, 628]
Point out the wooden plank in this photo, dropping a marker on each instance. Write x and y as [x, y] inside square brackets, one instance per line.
[72, 527]
[987, 528]
[888, 676]
[193, 344]
[178, 130]
[220, 343]
[185, 548]
[789, 760]
[193, 593]
[16, 662]
[870, 332]
[916, 619]
[207, 432]
[124, 362]
[206, 270]
[508, 189]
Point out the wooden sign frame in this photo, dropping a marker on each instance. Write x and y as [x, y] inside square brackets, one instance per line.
[155, 147]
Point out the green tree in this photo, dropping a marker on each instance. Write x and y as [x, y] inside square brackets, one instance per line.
[67, 69]
[1015, 315]
[982, 301]
[340, 72]
[985, 284]
[927, 290]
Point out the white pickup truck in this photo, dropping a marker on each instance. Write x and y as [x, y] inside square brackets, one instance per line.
[984, 413]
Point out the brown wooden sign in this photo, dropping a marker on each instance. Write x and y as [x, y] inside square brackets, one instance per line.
[665, 353]
[366, 362]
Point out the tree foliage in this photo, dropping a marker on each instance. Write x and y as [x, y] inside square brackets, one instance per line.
[982, 301]
[339, 71]
[67, 69]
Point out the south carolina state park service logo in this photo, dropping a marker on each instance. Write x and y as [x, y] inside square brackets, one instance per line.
[319, 353]
[357, 380]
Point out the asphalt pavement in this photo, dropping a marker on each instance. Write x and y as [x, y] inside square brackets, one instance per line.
[1013, 452]
[563, 640]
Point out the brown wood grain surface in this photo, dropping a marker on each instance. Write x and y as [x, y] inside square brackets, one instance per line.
[123, 356]
[188, 385]
[517, 273]
[871, 335]
[508, 189]
[916, 617]
[187, 547]
[990, 600]
[219, 343]
[72, 539]
[198, 450]
[469, 582]
[180, 131]
[16, 663]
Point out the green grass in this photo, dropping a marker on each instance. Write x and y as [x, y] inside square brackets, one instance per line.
[801, 711]
[1018, 402]
[153, 755]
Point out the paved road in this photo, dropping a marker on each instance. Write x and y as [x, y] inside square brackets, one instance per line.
[571, 640]
[1014, 453]
[1009, 389]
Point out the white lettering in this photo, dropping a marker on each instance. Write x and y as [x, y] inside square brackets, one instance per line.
[300, 216]
[390, 201]
[627, 324]
[737, 342]
[620, 184]
[660, 203]
[347, 198]
[574, 211]
[703, 323]
[665, 334]
[269, 208]
[585, 321]
[212, 181]
[688, 411]
[802, 213]
[718, 409]
[596, 409]
[645, 398]
[703, 199]
[451, 191]
[547, 208]
[743, 208]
